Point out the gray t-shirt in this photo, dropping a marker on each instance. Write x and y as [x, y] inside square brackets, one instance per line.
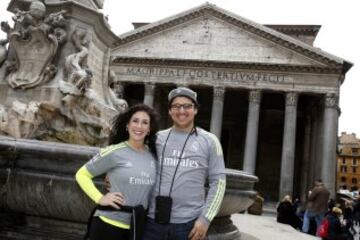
[202, 159]
[130, 172]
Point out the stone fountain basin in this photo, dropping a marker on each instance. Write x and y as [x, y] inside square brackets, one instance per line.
[37, 179]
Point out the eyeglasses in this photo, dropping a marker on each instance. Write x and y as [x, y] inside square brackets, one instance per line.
[186, 106]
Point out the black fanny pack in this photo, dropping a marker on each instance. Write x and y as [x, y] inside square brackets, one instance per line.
[137, 222]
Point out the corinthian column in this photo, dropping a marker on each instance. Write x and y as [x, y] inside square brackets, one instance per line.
[288, 147]
[149, 94]
[328, 168]
[217, 111]
[305, 164]
[252, 131]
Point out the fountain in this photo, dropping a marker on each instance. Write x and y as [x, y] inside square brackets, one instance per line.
[67, 98]
[39, 193]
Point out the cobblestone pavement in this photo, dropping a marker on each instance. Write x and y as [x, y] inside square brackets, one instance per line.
[265, 227]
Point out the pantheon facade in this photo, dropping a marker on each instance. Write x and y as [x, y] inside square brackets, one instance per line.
[268, 94]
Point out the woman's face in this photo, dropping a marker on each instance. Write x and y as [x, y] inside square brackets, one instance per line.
[138, 126]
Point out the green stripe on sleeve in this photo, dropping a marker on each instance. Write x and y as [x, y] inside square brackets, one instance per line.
[111, 148]
[218, 148]
[215, 205]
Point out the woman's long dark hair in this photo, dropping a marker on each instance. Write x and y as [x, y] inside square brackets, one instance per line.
[119, 133]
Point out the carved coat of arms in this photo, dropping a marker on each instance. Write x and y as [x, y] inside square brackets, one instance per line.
[35, 40]
[34, 56]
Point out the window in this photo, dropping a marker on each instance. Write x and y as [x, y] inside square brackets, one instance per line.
[354, 180]
[354, 161]
[343, 169]
[344, 160]
[354, 169]
[354, 150]
[343, 179]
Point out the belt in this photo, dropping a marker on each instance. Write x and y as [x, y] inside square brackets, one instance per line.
[137, 221]
[124, 208]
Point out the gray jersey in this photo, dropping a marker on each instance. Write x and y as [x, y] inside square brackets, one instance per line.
[130, 172]
[202, 159]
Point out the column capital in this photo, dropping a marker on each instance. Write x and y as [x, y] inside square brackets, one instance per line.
[219, 92]
[255, 96]
[291, 98]
[331, 100]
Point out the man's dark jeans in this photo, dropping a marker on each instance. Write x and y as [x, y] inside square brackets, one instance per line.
[171, 231]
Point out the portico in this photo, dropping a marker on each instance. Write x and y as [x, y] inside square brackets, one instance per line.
[270, 98]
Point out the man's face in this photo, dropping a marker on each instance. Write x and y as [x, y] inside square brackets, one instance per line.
[182, 112]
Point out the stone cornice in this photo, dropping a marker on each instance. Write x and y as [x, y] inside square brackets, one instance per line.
[311, 30]
[221, 64]
[261, 30]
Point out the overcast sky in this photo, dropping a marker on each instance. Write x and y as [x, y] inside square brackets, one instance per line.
[339, 34]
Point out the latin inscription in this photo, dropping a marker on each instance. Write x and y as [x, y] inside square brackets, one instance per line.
[201, 74]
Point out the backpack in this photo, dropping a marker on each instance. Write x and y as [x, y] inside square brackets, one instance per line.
[323, 230]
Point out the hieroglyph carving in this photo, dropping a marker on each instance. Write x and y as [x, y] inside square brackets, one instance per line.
[35, 41]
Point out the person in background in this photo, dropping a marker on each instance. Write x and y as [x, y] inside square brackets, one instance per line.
[286, 213]
[130, 164]
[357, 210]
[336, 231]
[348, 215]
[317, 205]
[257, 207]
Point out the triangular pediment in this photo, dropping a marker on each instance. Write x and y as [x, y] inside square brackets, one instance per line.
[209, 33]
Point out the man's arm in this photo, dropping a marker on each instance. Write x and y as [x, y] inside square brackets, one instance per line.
[217, 184]
[313, 194]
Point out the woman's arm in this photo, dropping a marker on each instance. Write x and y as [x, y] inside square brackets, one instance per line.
[84, 179]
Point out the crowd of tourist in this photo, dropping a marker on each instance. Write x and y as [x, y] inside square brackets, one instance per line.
[321, 216]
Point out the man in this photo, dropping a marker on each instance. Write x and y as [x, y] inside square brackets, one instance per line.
[188, 157]
[317, 205]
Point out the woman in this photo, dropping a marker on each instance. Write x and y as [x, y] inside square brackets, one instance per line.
[334, 229]
[286, 213]
[129, 162]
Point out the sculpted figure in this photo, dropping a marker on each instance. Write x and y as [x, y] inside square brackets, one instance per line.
[76, 68]
[3, 51]
[116, 90]
[56, 24]
[29, 19]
